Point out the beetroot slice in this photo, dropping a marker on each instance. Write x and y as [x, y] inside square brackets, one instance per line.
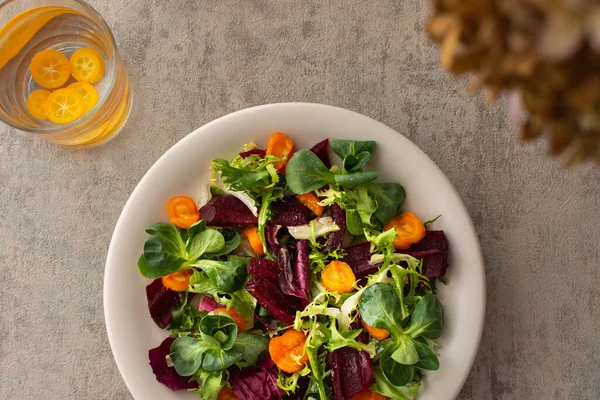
[320, 149]
[435, 262]
[160, 303]
[358, 256]
[290, 212]
[337, 238]
[351, 373]
[164, 374]
[433, 240]
[268, 295]
[258, 382]
[263, 267]
[223, 210]
[261, 153]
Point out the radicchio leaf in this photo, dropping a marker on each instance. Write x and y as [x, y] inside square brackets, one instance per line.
[271, 231]
[263, 267]
[320, 149]
[208, 303]
[337, 238]
[270, 296]
[164, 374]
[258, 382]
[351, 373]
[161, 301]
[290, 212]
[294, 279]
[223, 210]
[261, 153]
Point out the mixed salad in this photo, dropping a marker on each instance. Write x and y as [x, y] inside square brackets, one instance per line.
[295, 278]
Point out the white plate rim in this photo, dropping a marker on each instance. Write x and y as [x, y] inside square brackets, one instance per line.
[471, 235]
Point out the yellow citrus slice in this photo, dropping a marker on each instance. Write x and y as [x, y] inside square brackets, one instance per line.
[87, 65]
[36, 103]
[64, 106]
[88, 93]
[50, 68]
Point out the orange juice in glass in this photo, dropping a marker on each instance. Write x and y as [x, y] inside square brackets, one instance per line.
[61, 75]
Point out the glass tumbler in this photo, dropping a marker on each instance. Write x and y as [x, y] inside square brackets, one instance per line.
[92, 104]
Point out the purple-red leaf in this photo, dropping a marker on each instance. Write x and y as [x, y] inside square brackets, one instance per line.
[290, 212]
[258, 382]
[268, 295]
[160, 303]
[261, 153]
[263, 267]
[208, 303]
[435, 262]
[271, 231]
[223, 210]
[294, 279]
[358, 256]
[320, 149]
[351, 373]
[337, 238]
[433, 240]
[164, 374]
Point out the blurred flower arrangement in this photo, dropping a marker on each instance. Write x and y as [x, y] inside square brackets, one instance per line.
[546, 53]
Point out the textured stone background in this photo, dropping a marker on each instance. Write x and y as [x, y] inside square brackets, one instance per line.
[192, 61]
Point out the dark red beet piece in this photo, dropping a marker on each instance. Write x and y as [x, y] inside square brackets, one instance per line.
[261, 153]
[164, 374]
[358, 256]
[351, 373]
[263, 267]
[433, 240]
[257, 382]
[268, 295]
[320, 149]
[290, 212]
[225, 210]
[435, 262]
[336, 239]
[364, 336]
[160, 303]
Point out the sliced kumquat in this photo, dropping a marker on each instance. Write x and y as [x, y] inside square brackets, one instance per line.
[287, 351]
[241, 322]
[280, 146]
[64, 106]
[36, 103]
[182, 211]
[409, 228]
[88, 93]
[50, 68]
[337, 276]
[178, 281]
[87, 65]
[254, 238]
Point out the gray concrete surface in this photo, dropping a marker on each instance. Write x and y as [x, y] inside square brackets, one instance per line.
[192, 61]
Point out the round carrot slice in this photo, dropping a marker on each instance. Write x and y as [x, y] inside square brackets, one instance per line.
[50, 68]
[409, 228]
[178, 281]
[87, 65]
[280, 146]
[337, 276]
[226, 394]
[367, 394]
[36, 103]
[183, 212]
[287, 351]
[64, 106]
[377, 333]
[88, 93]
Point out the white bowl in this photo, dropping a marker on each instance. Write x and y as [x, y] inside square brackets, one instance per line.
[184, 168]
